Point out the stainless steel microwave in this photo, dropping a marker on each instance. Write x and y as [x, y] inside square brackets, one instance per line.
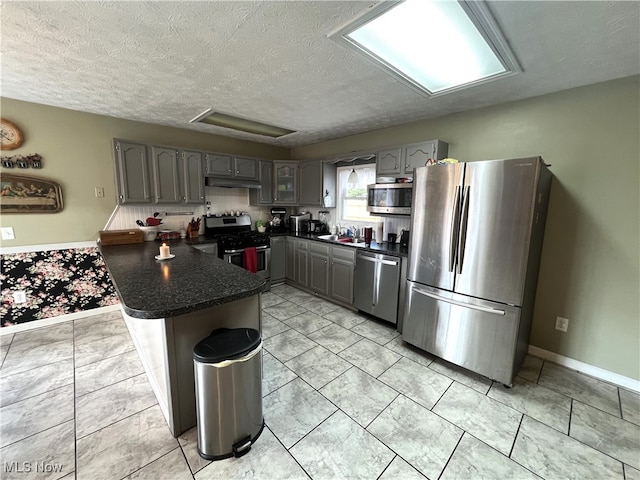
[389, 198]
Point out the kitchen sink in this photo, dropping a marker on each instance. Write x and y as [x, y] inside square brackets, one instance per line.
[344, 240]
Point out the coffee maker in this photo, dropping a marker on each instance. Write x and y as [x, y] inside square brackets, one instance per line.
[278, 222]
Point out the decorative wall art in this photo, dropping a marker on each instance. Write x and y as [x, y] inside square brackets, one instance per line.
[24, 194]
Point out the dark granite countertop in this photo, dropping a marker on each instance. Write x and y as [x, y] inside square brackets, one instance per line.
[384, 247]
[192, 281]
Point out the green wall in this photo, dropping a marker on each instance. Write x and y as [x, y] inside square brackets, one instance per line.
[590, 261]
[77, 153]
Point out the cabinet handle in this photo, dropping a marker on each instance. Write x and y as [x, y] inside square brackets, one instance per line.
[237, 172]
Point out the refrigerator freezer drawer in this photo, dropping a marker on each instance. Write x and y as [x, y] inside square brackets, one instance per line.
[478, 335]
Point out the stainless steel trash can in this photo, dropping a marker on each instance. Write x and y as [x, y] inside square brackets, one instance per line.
[228, 377]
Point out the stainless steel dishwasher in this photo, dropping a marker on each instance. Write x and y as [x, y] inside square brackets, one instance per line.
[377, 285]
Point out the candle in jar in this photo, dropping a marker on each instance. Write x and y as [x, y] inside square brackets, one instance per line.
[164, 251]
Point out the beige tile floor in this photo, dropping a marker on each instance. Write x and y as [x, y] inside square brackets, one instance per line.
[344, 397]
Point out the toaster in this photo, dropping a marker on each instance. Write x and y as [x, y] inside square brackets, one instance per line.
[299, 223]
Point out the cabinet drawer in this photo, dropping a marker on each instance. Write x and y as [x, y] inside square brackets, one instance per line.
[319, 248]
[344, 253]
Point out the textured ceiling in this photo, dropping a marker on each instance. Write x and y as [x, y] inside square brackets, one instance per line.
[166, 62]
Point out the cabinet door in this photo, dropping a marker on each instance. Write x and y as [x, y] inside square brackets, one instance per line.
[286, 179]
[166, 176]
[341, 274]
[310, 183]
[388, 161]
[319, 267]
[417, 155]
[290, 263]
[341, 287]
[246, 168]
[278, 259]
[302, 258]
[193, 177]
[219, 165]
[266, 181]
[132, 170]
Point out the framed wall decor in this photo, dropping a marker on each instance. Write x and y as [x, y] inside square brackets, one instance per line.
[24, 194]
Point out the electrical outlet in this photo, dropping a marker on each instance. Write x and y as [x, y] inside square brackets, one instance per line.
[19, 296]
[99, 192]
[7, 233]
[562, 324]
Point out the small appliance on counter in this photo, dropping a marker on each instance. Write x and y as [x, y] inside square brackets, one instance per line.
[299, 223]
[404, 239]
[316, 226]
[278, 223]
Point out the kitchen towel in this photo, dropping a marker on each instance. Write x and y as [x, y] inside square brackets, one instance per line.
[250, 257]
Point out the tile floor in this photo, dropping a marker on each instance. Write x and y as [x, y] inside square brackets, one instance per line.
[344, 397]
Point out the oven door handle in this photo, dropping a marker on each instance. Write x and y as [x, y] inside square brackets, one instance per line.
[240, 250]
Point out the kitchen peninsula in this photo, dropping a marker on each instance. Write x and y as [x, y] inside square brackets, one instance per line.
[169, 305]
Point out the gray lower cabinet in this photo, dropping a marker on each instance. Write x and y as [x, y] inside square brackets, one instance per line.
[278, 259]
[343, 262]
[302, 260]
[133, 173]
[290, 263]
[319, 267]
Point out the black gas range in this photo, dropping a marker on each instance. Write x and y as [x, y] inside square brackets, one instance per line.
[235, 239]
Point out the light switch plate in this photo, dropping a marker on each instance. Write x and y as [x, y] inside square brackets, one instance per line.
[99, 192]
[7, 233]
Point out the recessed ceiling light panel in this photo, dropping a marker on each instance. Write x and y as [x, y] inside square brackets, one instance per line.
[225, 120]
[437, 46]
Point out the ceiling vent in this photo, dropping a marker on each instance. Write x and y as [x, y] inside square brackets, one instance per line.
[232, 122]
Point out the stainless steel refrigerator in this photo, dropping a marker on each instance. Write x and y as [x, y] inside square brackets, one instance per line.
[476, 238]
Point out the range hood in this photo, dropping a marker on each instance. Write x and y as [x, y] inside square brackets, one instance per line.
[231, 182]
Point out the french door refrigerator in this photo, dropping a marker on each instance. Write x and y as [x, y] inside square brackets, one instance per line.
[476, 238]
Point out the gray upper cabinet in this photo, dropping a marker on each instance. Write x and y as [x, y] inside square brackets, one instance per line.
[264, 195]
[388, 162]
[219, 165]
[246, 168]
[192, 177]
[286, 183]
[310, 183]
[401, 160]
[417, 154]
[133, 174]
[166, 176]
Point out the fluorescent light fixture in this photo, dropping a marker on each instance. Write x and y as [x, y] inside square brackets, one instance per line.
[436, 46]
[220, 119]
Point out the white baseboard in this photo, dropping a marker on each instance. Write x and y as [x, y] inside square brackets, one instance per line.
[597, 372]
[45, 322]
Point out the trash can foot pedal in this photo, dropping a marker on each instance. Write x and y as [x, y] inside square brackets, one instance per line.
[242, 447]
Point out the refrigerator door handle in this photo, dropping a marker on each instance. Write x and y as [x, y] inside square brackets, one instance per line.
[462, 238]
[495, 311]
[376, 284]
[455, 225]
